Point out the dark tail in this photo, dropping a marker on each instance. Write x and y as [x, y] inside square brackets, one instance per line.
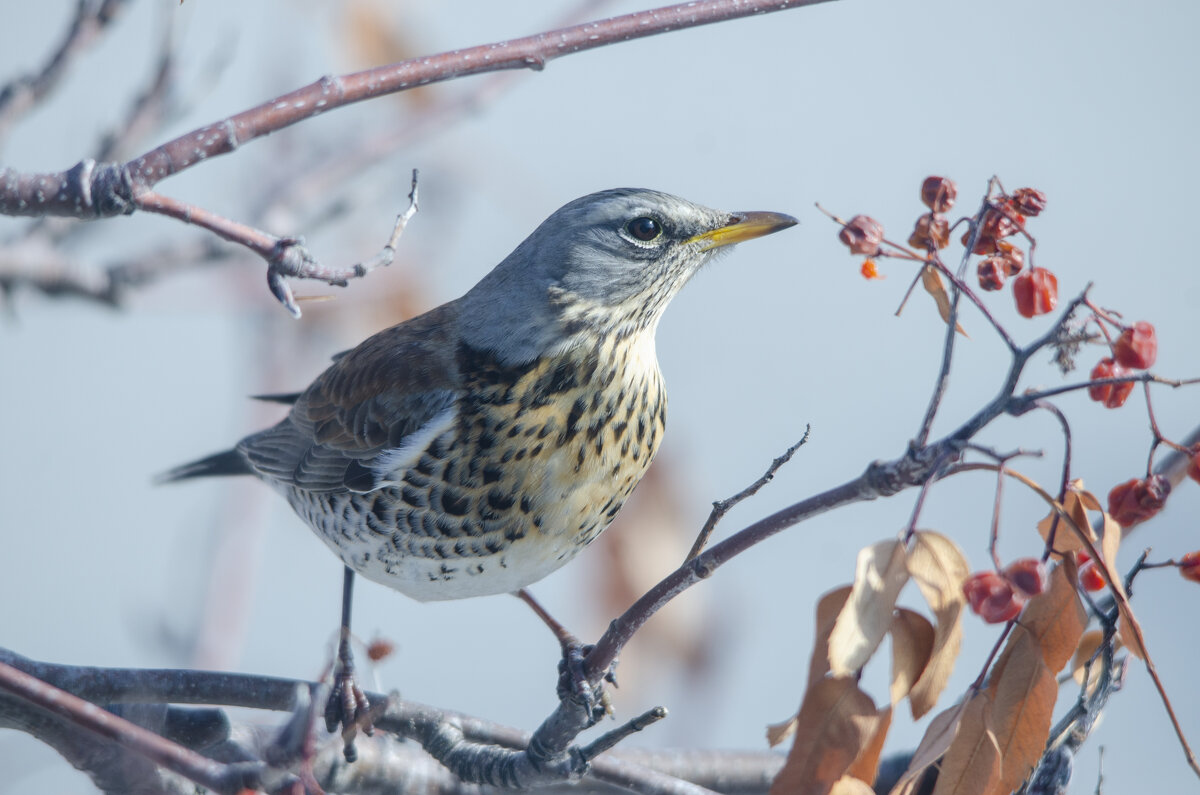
[229, 462]
[287, 398]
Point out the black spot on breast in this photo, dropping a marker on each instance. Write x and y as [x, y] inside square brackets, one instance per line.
[526, 504]
[561, 378]
[500, 501]
[412, 497]
[641, 431]
[455, 503]
[573, 417]
[517, 428]
[492, 473]
[486, 440]
[425, 466]
[537, 448]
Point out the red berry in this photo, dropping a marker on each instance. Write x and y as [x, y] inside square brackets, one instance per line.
[1002, 219]
[1193, 469]
[862, 234]
[931, 232]
[1135, 501]
[992, 598]
[1013, 256]
[992, 272]
[1036, 292]
[1189, 566]
[938, 193]
[1111, 395]
[1028, 201]
[1137, 347]
[380, 649]
[1027, 575]
[1090, 578]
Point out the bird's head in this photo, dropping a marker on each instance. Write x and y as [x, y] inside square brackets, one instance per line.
[614, 258]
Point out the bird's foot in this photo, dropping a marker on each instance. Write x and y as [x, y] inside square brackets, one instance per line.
[348, 707]
[574, 684]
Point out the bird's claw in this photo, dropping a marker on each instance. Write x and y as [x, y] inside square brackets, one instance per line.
[349, 709]
[574, 685]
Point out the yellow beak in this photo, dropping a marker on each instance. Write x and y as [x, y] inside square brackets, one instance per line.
[745, 226]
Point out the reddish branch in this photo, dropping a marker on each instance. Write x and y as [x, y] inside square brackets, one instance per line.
[92, 190]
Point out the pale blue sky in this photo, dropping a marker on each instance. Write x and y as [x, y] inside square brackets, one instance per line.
[850, 104]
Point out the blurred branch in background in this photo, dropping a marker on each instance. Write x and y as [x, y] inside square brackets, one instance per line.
[95, 189]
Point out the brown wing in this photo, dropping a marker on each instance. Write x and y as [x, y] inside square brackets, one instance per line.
[366, 404]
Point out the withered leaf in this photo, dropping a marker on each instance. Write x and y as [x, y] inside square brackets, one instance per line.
[938, 737]
[1023, 695]
[836, 722]
[931, 280]
[938, 567]
[879, 575]
[828, 608]
[847, 785]
[1076, 505]
[866, 766]
[971, 765]
[912, 645]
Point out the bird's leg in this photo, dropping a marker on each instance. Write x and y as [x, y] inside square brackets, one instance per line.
[347, 706]
[572, 680]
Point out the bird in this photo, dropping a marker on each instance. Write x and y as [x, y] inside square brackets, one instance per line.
[476, 448]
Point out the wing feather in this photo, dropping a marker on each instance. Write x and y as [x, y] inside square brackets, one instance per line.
[361, 410]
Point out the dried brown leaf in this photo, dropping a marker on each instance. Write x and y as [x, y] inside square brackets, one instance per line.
[971, 766]
[866, 766]
[931, 280]
[938, 567]
[1088, 645]
[778, 732]
[1023, 702]
[847, 785]
[912, 646]
[938, 737]
[836, 722]
[880, 573]
[1128, 629]
[828, 609]
[1076, 504]
[1056, 619]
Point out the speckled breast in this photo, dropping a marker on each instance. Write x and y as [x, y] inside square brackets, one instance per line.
[537, 463]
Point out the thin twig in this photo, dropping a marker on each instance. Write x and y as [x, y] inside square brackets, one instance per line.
[22, 94]
[722, 507]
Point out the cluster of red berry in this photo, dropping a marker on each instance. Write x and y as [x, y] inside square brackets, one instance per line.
[1034, 289]
[1135, 349]
[1000, 596]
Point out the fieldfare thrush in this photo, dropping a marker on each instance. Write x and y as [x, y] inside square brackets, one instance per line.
[476, 448]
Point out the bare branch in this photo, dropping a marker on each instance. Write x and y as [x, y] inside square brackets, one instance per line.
[22, 94]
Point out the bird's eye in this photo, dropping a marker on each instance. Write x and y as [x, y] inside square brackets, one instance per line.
[644, 229]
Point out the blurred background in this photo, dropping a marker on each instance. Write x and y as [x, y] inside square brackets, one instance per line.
[850, 104]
